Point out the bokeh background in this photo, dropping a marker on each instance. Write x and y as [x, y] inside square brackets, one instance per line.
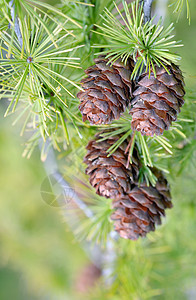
[39, 256]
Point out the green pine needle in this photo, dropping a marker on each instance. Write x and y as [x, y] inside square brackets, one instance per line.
[38, 77]
[148, 44]
[178, 8]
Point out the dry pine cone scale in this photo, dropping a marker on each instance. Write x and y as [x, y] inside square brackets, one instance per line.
[157, 101]
[106, 91]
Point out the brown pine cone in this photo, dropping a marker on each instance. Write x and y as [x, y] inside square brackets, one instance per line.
[107, 91]
[109, 175]
[137, 212]
[157, 101]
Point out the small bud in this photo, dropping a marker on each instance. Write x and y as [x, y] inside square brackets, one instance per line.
[29, 59]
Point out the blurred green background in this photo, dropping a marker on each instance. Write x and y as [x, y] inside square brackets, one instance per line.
[40, 258]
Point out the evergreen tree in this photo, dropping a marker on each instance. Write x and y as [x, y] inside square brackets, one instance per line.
[131, 111]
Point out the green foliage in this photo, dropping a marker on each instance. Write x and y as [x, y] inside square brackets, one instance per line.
[149, 44]
[30, 66]
[87, 15]
[42, 94]
[178, 8]
[45, 85]
[38, 76]
[185, 145]
[41, 78]
[34, 9]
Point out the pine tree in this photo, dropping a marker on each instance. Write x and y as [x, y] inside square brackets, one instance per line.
[101, 76]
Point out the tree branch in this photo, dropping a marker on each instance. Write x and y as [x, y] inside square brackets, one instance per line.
[16, 22]
[103, 259]
[147, 10]
[51, 168]
[66, 187]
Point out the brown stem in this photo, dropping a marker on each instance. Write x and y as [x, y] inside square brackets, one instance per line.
[129, 147]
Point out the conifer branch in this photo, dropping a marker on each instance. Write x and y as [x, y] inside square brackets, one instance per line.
[102, 259]
[51, 158]
[51, 166]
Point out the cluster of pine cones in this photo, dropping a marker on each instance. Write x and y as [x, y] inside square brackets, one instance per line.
[154, 103]
[137, 208]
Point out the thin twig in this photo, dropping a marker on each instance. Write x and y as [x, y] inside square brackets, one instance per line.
[51, 167]
[147, 5]
[147, 10]
[66, 187]
[16, 23]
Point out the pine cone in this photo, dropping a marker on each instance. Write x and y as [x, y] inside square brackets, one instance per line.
[157, 100]
[109, 175]
[137, 212]
[107, 91]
